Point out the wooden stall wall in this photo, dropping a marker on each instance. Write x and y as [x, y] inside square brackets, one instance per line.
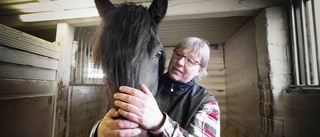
[87, 98]
[28, 67]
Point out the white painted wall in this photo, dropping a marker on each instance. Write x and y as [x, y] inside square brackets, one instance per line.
[273, 67]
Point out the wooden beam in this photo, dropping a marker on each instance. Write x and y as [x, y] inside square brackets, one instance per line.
[14, 56]
[23, 87]
[19, 40]
[177, 9]
[26, 72]
[15, 1]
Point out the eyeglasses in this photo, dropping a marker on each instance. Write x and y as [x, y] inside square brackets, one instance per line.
[187, 60]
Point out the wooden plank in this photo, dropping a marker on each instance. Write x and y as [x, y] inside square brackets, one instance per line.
[213, 79]
[10, 32]
[14, 1]
[19, 96]
[28, 59]
[213, 86]
[21, 45]
[216, 66]
[27, 117]
[216, 60]
[23, 41]
[25, 72]
[216, 72]
[23, 86]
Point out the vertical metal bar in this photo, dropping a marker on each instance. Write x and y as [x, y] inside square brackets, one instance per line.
[300, 48]
[84, 55]
[311, 42]
[78, 77]
[73, 61]
[86, 58]
[294, 44]
[89, 59]
[81, 56]
[316, 32]
[305, 43]
[76, 56]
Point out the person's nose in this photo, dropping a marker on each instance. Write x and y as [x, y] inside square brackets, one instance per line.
[181, 61]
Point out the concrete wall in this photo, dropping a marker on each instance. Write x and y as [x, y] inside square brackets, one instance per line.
[274, 72]
[301, 113]
[242, 82]
[257, 71]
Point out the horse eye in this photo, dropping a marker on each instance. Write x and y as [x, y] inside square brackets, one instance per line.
[158, 55]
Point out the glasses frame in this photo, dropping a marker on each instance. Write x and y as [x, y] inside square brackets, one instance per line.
[187, 60]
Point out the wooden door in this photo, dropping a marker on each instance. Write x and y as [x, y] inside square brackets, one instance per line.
[28, 71]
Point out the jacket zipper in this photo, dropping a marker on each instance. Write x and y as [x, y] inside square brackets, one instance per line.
[171, 89]
[170, 98]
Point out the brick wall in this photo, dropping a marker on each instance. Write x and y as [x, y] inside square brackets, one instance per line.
[273, 67]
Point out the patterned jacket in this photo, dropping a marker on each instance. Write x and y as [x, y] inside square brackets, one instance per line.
[190, 109]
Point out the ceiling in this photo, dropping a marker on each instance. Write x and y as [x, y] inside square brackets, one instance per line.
[214, 20]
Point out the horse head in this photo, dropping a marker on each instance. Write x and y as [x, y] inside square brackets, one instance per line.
[127, 45]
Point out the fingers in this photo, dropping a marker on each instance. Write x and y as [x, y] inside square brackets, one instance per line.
[121, 132]
[110, 126]
[129, 95]
[110, 122]
[132, 91]
[138, 106]
[133, 96]
[124, 133]
[112, 113]
[145, 90]
[126, 106]
[131, 116]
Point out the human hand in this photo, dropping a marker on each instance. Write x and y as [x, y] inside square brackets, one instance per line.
[111, 127]
[139, 106]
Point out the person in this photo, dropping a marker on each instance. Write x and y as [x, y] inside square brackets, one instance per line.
[180, 107]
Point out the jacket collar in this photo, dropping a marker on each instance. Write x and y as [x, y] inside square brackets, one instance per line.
[177, 87]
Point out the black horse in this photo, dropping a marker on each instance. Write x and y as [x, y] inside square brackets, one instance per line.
[127, 45]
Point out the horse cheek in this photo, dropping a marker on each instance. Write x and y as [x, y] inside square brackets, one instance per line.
[150, 72]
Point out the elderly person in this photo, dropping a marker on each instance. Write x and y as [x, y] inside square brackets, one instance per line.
[180, 107]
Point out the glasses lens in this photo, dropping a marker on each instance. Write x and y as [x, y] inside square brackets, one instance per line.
[189, 61]
[177, 55]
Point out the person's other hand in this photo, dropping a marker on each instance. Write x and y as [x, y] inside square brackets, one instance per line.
[139, 106]
[111, 127]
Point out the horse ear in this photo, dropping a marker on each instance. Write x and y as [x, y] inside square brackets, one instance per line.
[103, 6]
[158, 9]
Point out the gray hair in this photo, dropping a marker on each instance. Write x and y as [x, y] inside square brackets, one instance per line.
[199, 46]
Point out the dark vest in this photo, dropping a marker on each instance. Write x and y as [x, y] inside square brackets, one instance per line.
[181, 100]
